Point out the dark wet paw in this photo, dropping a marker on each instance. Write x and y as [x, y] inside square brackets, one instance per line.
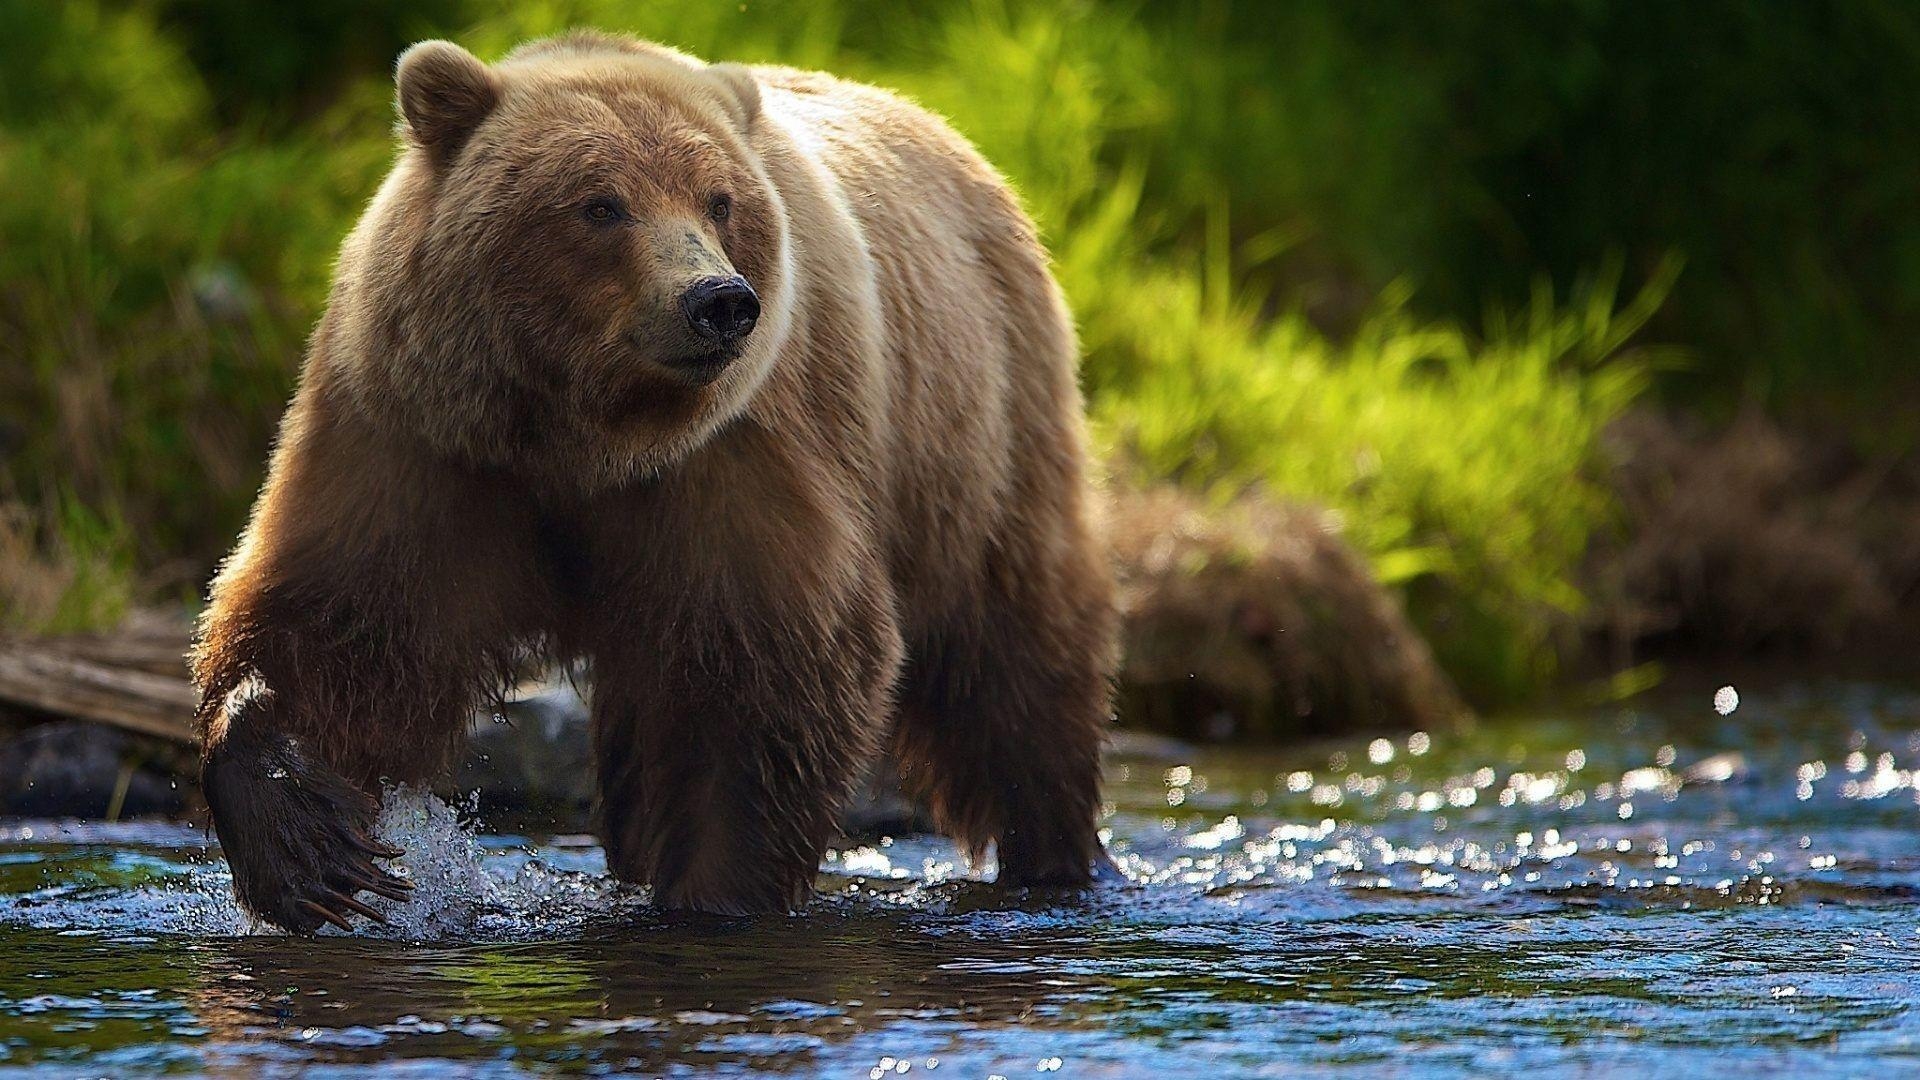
[753, 888]
[1067, 868]
[297, 835]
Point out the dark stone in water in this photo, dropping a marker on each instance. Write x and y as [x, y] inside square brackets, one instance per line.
[71, 768]
[879, 808]
[533, 766]
[533, 762]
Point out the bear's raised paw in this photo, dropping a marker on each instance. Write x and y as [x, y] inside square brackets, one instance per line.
[296, 834]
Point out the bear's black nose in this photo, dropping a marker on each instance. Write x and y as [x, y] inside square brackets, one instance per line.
[721, 309]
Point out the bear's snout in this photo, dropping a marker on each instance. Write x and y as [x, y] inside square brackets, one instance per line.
[722, 310]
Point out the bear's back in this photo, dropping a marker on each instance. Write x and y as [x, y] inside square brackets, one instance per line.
[975, 353]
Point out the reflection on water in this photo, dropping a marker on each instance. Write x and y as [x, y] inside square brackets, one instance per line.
[1630, 887]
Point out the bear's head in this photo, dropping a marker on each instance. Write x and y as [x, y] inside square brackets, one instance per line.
[577, 268]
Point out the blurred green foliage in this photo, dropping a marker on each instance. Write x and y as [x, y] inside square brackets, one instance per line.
[1474, 146]
[1386, 258]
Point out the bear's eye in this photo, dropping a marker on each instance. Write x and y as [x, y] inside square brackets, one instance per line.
[720, 207]
[604, 211]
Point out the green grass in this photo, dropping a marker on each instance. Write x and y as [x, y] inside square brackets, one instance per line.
[163, 261]
[1464, 467]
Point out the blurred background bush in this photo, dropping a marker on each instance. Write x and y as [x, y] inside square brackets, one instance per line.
[1408, 263]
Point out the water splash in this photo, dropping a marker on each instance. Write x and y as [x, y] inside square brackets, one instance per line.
[463, 889]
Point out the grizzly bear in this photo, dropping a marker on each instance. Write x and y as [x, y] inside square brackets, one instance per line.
[746, 386]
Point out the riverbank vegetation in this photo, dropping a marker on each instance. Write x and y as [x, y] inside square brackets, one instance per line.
[1401, 267]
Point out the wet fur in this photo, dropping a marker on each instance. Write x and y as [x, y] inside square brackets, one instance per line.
[871, 529]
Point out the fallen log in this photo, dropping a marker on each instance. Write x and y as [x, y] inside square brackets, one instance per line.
[65, 679]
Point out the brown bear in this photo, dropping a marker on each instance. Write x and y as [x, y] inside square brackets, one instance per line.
[749, 387]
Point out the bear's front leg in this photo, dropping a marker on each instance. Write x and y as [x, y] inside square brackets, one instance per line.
[377, 597]
[727, 742]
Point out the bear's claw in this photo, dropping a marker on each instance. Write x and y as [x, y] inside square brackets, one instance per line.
[295, 834]
[324, 914]
[375, 848]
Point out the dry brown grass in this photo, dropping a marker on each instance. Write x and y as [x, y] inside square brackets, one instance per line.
[47, 583]
[1256, 620]
[1751, 540]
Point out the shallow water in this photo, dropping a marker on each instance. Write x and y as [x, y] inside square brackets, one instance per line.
[1628, 887]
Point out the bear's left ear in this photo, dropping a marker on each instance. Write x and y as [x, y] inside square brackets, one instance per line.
[444, 94]
[742, 93]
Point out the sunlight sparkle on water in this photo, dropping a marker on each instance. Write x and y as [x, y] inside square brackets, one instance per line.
[1435, 905]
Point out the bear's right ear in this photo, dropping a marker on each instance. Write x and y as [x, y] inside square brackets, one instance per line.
[741, 92]
[444, 94]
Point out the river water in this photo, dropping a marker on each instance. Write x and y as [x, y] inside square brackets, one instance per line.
[1608, 889]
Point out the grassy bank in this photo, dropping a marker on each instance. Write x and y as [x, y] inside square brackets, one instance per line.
[175, 198]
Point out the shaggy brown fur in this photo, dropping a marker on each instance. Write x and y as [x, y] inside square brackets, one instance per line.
[866, 519]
